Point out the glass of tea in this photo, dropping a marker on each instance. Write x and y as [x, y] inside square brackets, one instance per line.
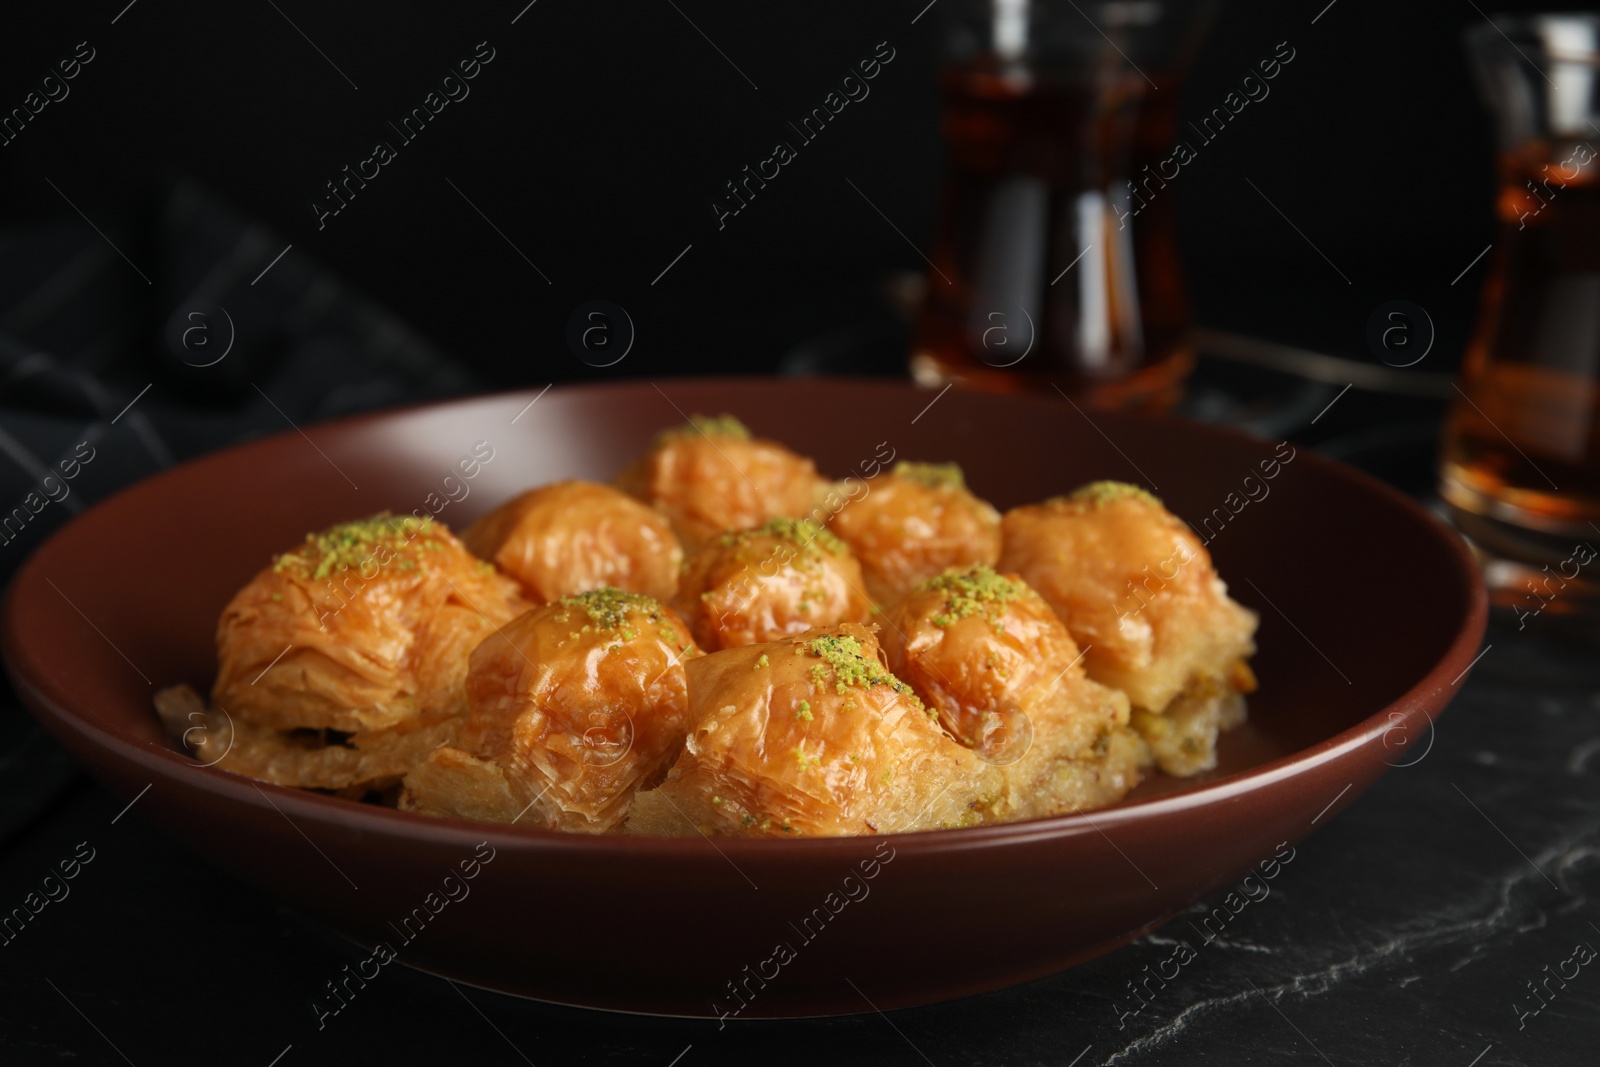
[1054, 260]
[1520, 466]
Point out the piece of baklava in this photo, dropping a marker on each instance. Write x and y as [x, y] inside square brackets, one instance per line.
[572, 707]
[783, 577]
[710, 475]
[914, 522]
[811, 735]
[344, 662]
[988, 654]
[571, 537]
[1138, 591]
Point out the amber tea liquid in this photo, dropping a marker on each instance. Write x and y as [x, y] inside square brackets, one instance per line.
[1521, 458]
[1037, 173]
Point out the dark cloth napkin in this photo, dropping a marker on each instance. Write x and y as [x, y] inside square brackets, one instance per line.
[110, 371]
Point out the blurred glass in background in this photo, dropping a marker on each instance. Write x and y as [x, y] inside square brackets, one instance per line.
[1520, 467]
[1054, 260]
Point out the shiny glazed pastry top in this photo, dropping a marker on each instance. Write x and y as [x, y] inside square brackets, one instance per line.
[783, 577]
[571, 537]
[363, 626]
[811, 735]
[572, 707]
[1133, 584]
[711, 475]
[915, 522]
[1007, 681]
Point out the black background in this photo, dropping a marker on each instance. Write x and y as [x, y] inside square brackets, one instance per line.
[596, 138]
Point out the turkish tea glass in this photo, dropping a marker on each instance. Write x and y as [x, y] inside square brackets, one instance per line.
[1520, 463]
[1055, 259]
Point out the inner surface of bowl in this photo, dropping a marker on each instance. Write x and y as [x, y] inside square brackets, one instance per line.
[1367, 606]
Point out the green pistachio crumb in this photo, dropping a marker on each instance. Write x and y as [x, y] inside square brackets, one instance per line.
[808, 535]
[357, 544]
[803, 712]
[608, 607]
[709, 425]
[1098, 494]
[851, 666]
[931, 475]
[976, 591]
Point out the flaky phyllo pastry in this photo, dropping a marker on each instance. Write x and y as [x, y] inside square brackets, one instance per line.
[571, 709]
[1007, 681]
[811, 734]
[712, 648]
[571, 537]
[1136, 588]
[710, 476]
[783, 577]
[915, 522]
[343, 663]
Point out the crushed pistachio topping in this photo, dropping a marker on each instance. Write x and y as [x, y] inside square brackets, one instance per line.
[1098, 494]
[354, 545]
[976, 591]
[847, 663]
[805, 762]
[803, 711]
[931, 475]
[762, 662]
[609, 607]
[809, 535]
[710, 425]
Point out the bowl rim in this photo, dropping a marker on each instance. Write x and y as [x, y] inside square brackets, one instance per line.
[166, 763]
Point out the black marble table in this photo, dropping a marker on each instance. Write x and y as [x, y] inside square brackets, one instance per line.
[1406, 930]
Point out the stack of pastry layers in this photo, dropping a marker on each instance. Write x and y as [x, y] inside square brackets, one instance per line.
[725, 642]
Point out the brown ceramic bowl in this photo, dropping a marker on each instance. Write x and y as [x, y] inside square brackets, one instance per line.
[1371, 611]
